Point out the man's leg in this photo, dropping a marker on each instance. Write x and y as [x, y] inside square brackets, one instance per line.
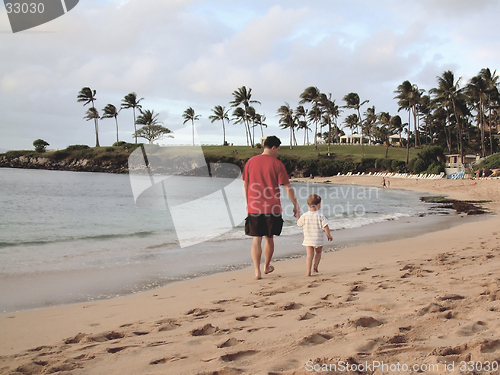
[268, 254]
[256, 255]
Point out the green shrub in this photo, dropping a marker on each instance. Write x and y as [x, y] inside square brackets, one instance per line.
[366, 163]
[429, 159]
[77, 147]
[398, 166]
[384, 164]
[60, 155]
[491, 162]
[419, 166]
[17, 153]
[289, 163]
[435, 168]
[40, 145]
[328, 168]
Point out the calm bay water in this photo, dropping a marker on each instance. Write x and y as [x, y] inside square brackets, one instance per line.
[67, 237]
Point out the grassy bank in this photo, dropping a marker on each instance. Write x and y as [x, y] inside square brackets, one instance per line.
[339, 152]
[301, 160]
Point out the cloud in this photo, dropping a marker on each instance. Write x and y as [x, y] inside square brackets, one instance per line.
[195, 53]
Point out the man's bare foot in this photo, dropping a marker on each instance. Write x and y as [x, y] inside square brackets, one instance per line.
[257, 277]
[315, 270]
[269, 269]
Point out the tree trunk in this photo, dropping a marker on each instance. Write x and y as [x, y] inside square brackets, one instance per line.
[116, 120]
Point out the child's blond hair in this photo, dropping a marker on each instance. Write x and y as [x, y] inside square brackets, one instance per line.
[313, 200]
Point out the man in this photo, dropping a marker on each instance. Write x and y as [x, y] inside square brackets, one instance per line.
[263, 174]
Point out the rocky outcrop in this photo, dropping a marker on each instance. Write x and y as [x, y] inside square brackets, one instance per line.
[77, 165]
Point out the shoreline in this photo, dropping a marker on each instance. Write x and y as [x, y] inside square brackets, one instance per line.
[52, 289]
[402, 300]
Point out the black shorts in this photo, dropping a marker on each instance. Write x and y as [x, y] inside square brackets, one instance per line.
[260, 225]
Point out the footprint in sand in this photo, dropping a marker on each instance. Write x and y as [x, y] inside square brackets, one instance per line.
[107, 336]
[368, 346]
[448, 350]
[224, 371]
[207, 329]
[117, 349]
[329, 297]
[238, 355]
[472, 328]
[166, 360]
[316, 339]
[431, 308]
[229, 343]
[202, 313]
[76, 339]
[288, 306]
[245, 318]
[489, 346]
[365, 322]
[169, 326]
[306, 316]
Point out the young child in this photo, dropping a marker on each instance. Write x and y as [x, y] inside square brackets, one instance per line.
[314, 224]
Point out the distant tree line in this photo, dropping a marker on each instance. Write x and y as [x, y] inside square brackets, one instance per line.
[459, 119]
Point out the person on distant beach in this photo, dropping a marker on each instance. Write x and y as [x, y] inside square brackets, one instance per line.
[314, 224]
[383, 182]
[262, 176]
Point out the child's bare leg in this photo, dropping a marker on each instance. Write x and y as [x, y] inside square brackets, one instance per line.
[309, 259]
[317, 257]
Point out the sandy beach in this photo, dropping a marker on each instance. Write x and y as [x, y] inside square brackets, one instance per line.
[429, 304]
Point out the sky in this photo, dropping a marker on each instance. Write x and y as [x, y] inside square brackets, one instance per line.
[194, 53]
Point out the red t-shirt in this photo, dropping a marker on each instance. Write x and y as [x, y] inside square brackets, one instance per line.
[264, 174]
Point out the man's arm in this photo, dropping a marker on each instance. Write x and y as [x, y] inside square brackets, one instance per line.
[245, 192]
[291, 194]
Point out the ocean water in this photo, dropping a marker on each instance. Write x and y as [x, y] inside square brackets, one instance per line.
[68, 237]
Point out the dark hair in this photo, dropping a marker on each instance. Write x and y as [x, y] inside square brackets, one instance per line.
[313, 200]
[272, 141]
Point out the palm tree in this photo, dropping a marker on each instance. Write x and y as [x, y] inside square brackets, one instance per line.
[331, 111]
[190, 115]
[151, 128]
[87, 96]
[397, 125]
[287, 120]
[425, 107]
[260, 121]
[370, 122]
[352, 101]
[300, 111]
[252, 118]
[448, 93]
[384, 118]
[491, 80]
[315, 115]
[93, 114]
[303, 125]
[239, 117]
[110, 112]
[477, 92]
[220, 114]
[351, 122]
[131, 101]
[409, 97]
[242, 96]
[312, 95]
